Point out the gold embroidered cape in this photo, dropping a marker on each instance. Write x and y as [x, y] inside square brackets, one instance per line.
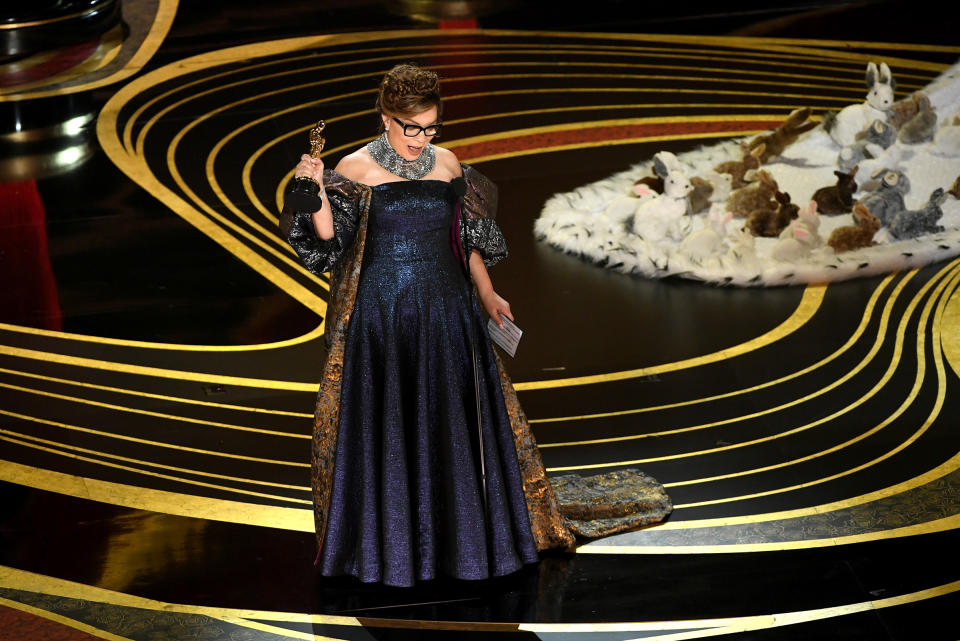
[350, 203]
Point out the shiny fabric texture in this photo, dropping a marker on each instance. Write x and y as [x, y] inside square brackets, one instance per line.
[351, 205]
[347, 383]
[604, 504]
[407, 500]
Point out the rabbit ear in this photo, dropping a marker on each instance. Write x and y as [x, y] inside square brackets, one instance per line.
[886, 77]
[801, 233]
[871, 74]
[659, 167]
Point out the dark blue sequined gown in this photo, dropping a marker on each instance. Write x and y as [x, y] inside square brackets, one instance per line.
[407, 502]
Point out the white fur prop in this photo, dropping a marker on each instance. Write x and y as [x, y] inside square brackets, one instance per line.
[595, 221]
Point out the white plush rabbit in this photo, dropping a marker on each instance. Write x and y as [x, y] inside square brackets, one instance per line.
[709, 241]
[855, 118]
[801, 237]
[665, 216]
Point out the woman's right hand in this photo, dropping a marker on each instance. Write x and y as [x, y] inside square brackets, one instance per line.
[310, 167]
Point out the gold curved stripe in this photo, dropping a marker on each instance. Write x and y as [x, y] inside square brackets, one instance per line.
[161, 501]
[858, 332]
[878, 342]
[911, 397]
[41, 584]
[803, 47]
[143, 441]
[875, 348]
[162, 415]
[805, 310]
[941, 470]
[62, 620]
[161, 397]
[928, 527]
[287, 257]
[158, 372]
[17, 579]
[313, 334]
[106, 133]
[950, 340]
[59, 447]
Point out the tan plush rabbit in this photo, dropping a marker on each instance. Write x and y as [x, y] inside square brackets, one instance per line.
[757, 194]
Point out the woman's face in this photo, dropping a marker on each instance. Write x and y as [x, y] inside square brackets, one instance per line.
[409, 147]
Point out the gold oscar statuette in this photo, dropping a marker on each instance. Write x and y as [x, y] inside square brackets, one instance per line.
[303, 195]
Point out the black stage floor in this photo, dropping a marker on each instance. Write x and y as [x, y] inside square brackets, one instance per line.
[160, 345]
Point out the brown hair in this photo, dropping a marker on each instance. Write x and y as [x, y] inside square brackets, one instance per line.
[407, 90]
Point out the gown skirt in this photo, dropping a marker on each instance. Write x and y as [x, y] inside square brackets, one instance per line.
[407, 501]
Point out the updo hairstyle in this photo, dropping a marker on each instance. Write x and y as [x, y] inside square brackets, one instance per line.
[407, 90]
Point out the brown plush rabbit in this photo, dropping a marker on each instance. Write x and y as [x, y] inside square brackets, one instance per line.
[776, 142]
[837, 199]
[955, 189]
[855, 236]
[903, 111]
[700, 196]
[770, 222]
[738, 168]
[757, 194]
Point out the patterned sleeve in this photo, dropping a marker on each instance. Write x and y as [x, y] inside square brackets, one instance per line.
[481, 231]
[320, 255]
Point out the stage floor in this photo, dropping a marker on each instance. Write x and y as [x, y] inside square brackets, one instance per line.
[160, 346]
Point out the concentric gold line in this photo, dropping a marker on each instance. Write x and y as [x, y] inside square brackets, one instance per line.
[161, 397]
[143, 441]
[911, 397]
[160, 501]
[858, 332]
[58, 448]
[161, 415]
[877, 344]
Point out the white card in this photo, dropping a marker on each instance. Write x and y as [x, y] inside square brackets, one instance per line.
[507, 338]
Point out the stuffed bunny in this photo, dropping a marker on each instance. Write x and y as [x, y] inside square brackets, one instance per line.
[769, 222]
[922, 126]
[870, 143]
[855, 236]
[910, 224]
[801, 237]
[837, 199]
[709, 241]
[776, 142]
[738, 168]
[844, 127]
[757, 194]
[887, 200]
[665, 216]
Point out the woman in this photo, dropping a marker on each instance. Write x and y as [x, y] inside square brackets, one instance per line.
[398, 490]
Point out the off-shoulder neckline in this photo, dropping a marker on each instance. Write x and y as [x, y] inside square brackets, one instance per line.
[424, 180]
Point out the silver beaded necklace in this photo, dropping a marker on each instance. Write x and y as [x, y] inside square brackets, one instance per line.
[384, 154]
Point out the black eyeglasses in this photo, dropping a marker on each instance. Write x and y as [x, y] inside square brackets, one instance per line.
[414, 130]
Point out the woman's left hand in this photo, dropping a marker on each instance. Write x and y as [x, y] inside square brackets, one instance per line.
[495, 305]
